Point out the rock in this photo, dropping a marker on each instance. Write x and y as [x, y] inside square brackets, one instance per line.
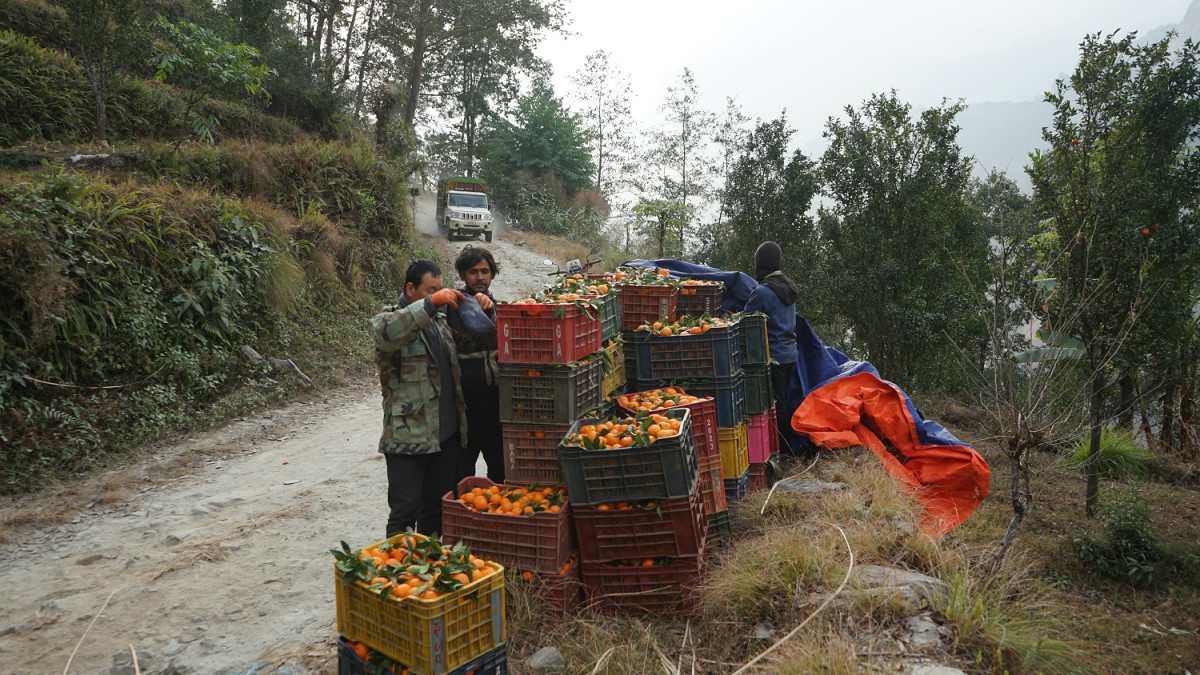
[909, 592]
[123, 662]
[93, 558]
[235, 609]
[805, 487]
[923, 634]
[172, 648]
[763, 632]
[250, 354]
[229, 546]
[200, 511]
[547, 660]
[928, 669]
[878, 576]
[176, 537]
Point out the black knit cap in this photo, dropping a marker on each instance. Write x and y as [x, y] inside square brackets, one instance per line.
[767, 259]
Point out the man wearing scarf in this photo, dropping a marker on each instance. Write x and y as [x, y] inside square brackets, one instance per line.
[775, 296]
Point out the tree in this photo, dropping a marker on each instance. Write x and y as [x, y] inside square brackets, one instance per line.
[603, 94]
[768, 195]
[901, 242]
[204, 65]
[106, 34]
[661, 221]
[1121, 184]
[540, 157]
[678, 152]
[731, 137]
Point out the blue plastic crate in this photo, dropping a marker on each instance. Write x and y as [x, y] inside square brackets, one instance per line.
[737, 488]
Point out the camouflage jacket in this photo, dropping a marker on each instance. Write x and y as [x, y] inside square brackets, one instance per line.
[478, 356]
[410, 381]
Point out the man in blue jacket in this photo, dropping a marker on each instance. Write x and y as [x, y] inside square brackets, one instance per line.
[775, 296]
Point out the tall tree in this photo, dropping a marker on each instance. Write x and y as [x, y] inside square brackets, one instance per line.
[106, 34]
[1121, 182]
[769, 192]
[730, 138]
[603, 96]
[900, 237]
[679, 152]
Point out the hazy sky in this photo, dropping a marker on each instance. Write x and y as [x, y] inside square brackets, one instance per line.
[814, 58]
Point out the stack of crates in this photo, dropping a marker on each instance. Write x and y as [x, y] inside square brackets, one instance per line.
[762, 435]
[540, 547]
[551, 372]
[462, 631]
[644, 298]
[708, 452]
[640, 519]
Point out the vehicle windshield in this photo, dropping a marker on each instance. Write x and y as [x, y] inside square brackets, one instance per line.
[468, 199]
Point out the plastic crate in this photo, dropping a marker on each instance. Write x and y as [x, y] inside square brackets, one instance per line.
[675, 528]
[712, 486]
[550, 394]
[646, 304]
[735, 456]
[494, 662]
[760, 395]
[664, 470]
[610, 314]
[710, 354]
[614, 368]
[762, 436]
[761, 476]
[431, 637]
[543, 333]
[753, 338]
[729, 394]
[651, 589]
[699, 300]
[719, 531]
[540, 542]
[562, 593]
[628, 337]
[704, 422]
[531, 453]
[737, 488]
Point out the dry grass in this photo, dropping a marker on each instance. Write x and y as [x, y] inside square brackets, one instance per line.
[187, 555]
[557, 249]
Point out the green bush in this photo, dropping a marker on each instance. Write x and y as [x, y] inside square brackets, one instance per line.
[1128, 550]
[46, 23]
[1120, 456]
[42, 91]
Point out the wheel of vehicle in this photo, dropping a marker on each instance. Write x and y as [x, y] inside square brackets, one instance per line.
[487, 236]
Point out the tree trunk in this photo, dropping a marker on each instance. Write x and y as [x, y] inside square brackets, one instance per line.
[1019, 446]
[349, 41]
[100, 89]
[368, 39]
[1166, 434]
[1096, 420]
[1125, 404]
[1187, 414]
[415, 69]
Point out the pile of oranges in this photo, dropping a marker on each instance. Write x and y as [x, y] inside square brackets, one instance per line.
[699, 282]
[645, 276]
[617, 433]
[645, 505]
[657, 399]
[685, 325]
[581, 285]
[412, 567]
[514, 501]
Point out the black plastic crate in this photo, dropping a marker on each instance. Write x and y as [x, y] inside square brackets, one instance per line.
[550, 393]
[737, 488]
[494, 662]
[714, 353]
[666, 469]
[728, 392]
[753, 339]
[760, 395]
[719, 531]
[699, 300]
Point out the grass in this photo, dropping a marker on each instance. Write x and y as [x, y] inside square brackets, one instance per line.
[1120, 457]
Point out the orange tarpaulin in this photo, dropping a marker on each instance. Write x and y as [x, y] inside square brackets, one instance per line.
[950, 481]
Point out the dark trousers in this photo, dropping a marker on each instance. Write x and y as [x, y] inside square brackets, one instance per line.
[483, 434]
[416, 484]
[782, 377]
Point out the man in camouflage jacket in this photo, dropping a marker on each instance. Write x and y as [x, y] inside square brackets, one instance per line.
[424, 417]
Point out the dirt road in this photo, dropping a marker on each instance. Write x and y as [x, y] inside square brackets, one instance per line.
[225, 569]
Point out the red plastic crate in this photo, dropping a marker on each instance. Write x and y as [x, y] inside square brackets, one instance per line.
[676, 528]
[531, 453]
[646, 304]
[563, 593]
[760, 476]
[541, 333]
[541, 542]
[704, 423]
[651, 589]
[762, 437]
[712, 485]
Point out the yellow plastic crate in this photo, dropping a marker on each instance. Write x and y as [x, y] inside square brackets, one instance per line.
[735, 450]
[431, 637]
[614, 368]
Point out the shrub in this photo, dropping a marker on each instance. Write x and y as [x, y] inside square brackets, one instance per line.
[1128, 551]
[42, 92]
[1120, 457]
